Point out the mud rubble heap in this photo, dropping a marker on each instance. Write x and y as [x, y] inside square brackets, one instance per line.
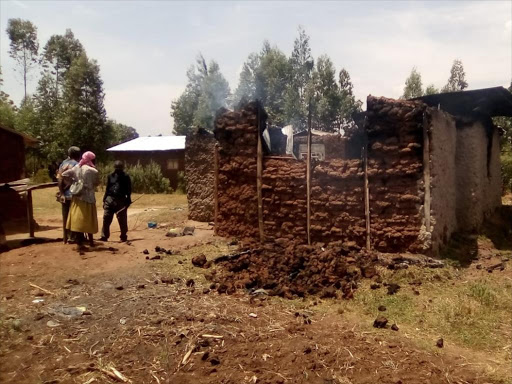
[298, 270]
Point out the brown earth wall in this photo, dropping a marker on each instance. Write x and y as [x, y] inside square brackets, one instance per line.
[395, 173]
[237, 135]
[200, 175]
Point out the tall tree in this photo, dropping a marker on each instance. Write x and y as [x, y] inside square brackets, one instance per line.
[457, 80]
[329, 99]
[24, 46]
[207, 90]
[247, 82]
[7, 107]
[58, 55]
[349, 104]
[302, 65]
[83, 119]
[413, 86]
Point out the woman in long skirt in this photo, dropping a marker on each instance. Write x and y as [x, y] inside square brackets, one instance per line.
[83, 217]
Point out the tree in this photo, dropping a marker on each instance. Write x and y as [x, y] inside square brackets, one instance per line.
[247, 82]
[24, 46]
[431, 90]
[302, 65]
[7, 107]
[83, 118]
[328, 101]
[58, 55]
[349, 104]
[121, 133]
[413, 85]
[207, 90]
[457, 80]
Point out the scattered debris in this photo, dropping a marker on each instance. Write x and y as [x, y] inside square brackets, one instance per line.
[382, 308]
[253, 315]
[167, 280]
[152, 224]
[199, 261]
[374, 286]
[173, 232]
[394, 327]
[42, 289]
[190, 283]
[188, 231]
[123, 320]
[52, 324]
[440, 343]
[119, 287]
[156, 257]
[500, 266]
[380, 322]
[146, 252]
[393, 288]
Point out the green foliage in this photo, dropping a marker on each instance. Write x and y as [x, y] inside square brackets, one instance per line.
[148, 178]
[291, 88]
[24, 46]
[121, 133]
[207, 90]
[104, 169]
[182, 183]
[431, 90]
[457, 80]
[41, 176]
[413, 86]
[7, 107]
[83, 119]
[506, 170]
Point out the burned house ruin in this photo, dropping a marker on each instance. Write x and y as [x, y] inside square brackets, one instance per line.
[415, 172]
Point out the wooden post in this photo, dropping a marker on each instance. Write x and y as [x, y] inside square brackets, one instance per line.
[366, 189]
[30, 213]
[308, 179]
[426, 171]
[259, 169]
[216, 186]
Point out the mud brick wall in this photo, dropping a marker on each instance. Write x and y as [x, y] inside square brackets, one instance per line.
[284, 199]
[337, 202]
[200, 174]
[237, 136]
[395, 173]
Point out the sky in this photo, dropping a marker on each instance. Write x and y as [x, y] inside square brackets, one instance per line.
[145, 48]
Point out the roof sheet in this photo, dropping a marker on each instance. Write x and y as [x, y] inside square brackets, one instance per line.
[151, 143]
[495, 101]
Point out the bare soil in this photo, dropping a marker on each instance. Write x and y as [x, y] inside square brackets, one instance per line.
[112, 311]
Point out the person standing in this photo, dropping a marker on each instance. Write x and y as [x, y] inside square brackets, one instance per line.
[117, 199]
[83, 217]
[64, 195]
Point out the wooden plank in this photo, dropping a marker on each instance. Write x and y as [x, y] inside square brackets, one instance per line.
[42, 186]
[426, 171]
[259, 171]
[308, 179]
[216, 187]
[30, 214]
[366, 191]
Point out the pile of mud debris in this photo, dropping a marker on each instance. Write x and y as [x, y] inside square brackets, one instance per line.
[296, 270]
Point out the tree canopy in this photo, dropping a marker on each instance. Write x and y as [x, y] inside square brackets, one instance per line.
[413, 86]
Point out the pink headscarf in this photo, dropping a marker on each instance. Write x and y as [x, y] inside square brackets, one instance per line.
[87, 159]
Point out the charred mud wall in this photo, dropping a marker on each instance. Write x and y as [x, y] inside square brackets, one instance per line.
[395, 173]
[200, 174]
[237, 136]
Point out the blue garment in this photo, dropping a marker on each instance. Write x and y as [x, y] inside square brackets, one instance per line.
[66, 165]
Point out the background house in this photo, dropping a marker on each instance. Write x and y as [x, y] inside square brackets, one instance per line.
[166, 151]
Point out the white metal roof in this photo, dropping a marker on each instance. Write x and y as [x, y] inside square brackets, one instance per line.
[151, 143]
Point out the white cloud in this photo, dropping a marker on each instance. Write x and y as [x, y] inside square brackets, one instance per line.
[145, 107]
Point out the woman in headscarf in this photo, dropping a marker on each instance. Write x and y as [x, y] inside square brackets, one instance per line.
[83, 217]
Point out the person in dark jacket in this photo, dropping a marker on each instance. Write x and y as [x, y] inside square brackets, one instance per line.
[117, 199]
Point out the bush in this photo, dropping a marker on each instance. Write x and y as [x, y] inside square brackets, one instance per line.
[104, 169]
[506, 171]
[40, 177]
[182, 183]
[148, 179]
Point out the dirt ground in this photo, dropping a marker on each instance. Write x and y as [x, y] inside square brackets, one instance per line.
[113, 315]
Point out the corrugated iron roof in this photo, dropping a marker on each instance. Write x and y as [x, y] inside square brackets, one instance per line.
[151, 143]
